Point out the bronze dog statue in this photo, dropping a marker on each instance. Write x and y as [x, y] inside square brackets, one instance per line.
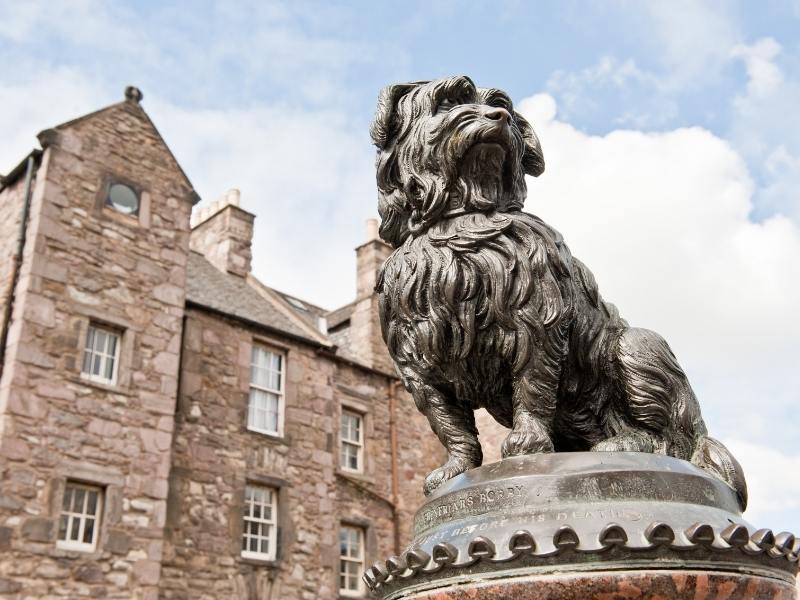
[482, 305]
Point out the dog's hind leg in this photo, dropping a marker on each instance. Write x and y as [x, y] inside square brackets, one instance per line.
[644, 418]
[454, 425]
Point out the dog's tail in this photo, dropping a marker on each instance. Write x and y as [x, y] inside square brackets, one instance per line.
[712, 456]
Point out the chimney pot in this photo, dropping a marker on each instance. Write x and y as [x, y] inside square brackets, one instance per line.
[233, 197]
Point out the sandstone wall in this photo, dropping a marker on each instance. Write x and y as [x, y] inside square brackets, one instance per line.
[215, 457]
[84, 262]
[490, 434]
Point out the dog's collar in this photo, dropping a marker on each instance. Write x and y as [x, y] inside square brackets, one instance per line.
[457, 211]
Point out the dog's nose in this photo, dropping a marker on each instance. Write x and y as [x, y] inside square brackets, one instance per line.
[498, 114]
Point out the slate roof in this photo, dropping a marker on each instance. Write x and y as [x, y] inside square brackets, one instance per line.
[340, 315]
[310, 313]
[209, 287]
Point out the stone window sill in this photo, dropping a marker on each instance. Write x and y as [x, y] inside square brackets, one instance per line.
[268, 437]
[91, 556]
[106, 387]
[361, 478]
[264, 564]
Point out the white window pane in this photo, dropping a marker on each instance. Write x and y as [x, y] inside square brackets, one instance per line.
[100, 354]
[77, 500]
[258, 376]
[78, 522]
[67, 502]
[88, 531]
[251, 412]
[259, 519]
[87, 362]
[62, 527]
[90, 339]
[255, 355]
[91, 505]
[112, 345]
[99, 340]
[75, 532]
[351, 563]
[109, 374]
[272, 421]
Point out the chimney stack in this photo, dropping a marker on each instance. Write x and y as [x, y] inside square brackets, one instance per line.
[365, 326]
[223, 233]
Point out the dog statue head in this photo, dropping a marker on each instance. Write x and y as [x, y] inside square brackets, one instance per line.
[447, 147]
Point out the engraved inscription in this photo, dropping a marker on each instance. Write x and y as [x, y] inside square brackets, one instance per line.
[475, 502]
[514, 496]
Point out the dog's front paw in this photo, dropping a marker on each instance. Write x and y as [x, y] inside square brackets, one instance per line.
[527, 438]
[454, 466]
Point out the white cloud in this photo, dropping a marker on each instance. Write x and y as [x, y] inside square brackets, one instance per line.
[772, 480]
[28, 107]
[662, 220]
[589, 90]
[764, 130]
[764, 75]
[692, 38]
[307, 175]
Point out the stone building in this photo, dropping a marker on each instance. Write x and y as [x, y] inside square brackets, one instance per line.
[170, 426]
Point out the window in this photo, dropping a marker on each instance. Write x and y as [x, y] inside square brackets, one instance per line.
[265, 408]
[259, 535]
[351, 560]
[351, 438]
[101, 354]
[122, 199]
[80, 515]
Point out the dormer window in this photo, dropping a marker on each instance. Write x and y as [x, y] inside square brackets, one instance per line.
[123, 199]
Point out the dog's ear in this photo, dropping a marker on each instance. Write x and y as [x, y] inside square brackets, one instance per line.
[533, 159]
[381, 129]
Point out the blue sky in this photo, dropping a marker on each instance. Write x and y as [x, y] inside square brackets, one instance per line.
[669, 129]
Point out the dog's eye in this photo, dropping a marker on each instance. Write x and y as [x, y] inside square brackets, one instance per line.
[446, 104]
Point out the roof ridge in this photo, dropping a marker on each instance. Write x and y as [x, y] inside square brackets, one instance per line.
[275, 297]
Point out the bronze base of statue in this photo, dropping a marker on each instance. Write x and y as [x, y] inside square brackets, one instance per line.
[587, 525]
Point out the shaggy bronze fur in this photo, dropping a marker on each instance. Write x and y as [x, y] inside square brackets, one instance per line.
[482, 305]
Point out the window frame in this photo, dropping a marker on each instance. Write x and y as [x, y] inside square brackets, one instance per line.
[134, 189]
[247, 516]
[358, 444]
[109, 331]
[360, 561]
[280, 393]
[80, 546]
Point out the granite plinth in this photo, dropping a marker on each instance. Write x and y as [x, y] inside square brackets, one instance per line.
[591, 523]
[624, 585]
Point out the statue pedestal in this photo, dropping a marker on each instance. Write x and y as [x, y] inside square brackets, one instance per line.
[601, 525]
